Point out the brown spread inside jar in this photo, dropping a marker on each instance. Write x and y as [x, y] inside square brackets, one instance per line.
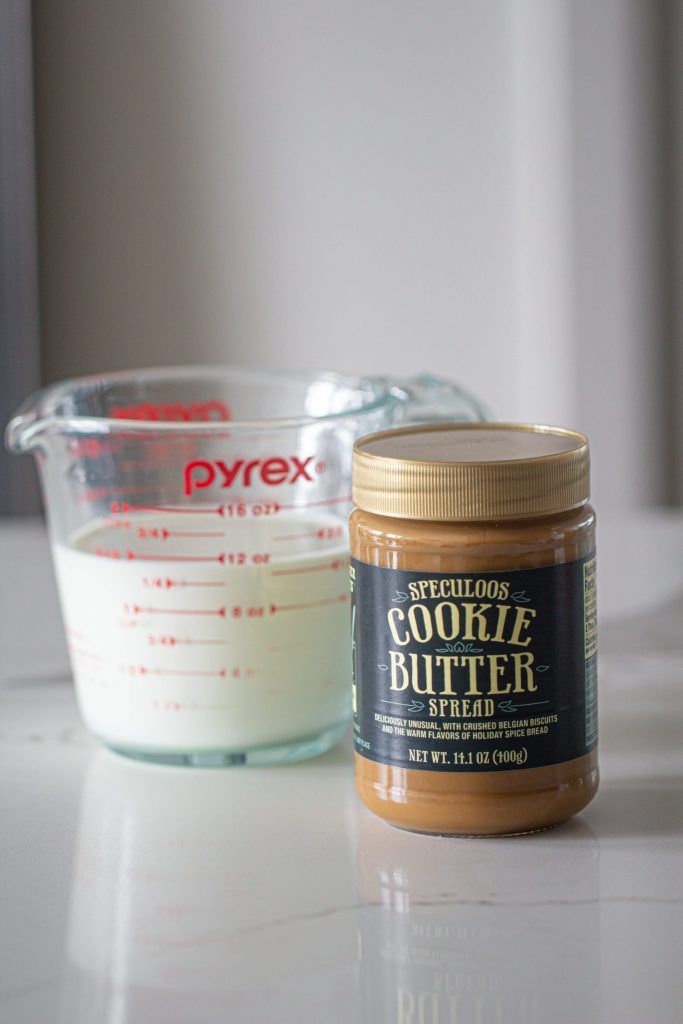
[473, 586]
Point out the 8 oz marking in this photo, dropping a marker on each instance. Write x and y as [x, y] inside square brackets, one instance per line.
[238, 610]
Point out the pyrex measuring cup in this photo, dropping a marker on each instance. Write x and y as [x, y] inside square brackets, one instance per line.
[198, 526]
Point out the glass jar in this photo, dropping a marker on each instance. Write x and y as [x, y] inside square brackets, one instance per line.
[474, 627]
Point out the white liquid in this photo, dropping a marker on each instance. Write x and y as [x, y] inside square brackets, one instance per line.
[188, 634]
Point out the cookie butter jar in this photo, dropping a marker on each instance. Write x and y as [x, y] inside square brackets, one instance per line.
[474, 627]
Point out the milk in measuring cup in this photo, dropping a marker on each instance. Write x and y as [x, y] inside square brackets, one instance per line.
[193, 637]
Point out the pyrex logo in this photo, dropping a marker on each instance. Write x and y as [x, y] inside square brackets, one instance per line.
[272, 472]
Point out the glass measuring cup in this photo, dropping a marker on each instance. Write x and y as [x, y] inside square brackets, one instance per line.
[198, 525]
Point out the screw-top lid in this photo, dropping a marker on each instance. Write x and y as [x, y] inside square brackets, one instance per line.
[468, 471]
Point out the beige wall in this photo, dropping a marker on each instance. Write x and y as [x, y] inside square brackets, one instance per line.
[370, 186]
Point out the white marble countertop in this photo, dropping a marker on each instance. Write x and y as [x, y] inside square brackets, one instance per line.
[134, 894]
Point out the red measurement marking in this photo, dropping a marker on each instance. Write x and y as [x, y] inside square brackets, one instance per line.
[206, 642]
[172, 705]
[220, 674]
[203, 412]
[117, 524]
[161, 533]
[137, 610]
[337, 564]
[312, 604]
[237, 672]
[106, 552]
[193, 533]
[133, 555]
[90, 449]
[122, 508]
[242, 558]
[238, 610]
[328, 533]
[144, 670]
[326, 501]
[172, 641]
[163, 583]
[198, 583]
[239, 509]
[297, 536]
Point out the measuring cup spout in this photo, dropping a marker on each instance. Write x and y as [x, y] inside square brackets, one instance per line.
[27, 425]
[427, 398]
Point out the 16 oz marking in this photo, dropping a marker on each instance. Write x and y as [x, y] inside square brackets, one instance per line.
[240, 509]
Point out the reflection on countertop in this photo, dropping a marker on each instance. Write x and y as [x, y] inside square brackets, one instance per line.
[184, 891]
[475, 931]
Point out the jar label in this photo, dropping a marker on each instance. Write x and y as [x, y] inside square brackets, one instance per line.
[474, 672]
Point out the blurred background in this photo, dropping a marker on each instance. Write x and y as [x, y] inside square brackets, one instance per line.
[491, 190]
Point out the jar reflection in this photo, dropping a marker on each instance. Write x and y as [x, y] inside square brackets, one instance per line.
[471, 931]
[191, 899]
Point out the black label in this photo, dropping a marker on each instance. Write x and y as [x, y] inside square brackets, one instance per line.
[474, 671]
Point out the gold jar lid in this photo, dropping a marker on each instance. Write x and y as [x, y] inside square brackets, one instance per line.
[471, 471]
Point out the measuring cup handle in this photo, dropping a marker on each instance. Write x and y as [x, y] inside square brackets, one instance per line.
[425, 398]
